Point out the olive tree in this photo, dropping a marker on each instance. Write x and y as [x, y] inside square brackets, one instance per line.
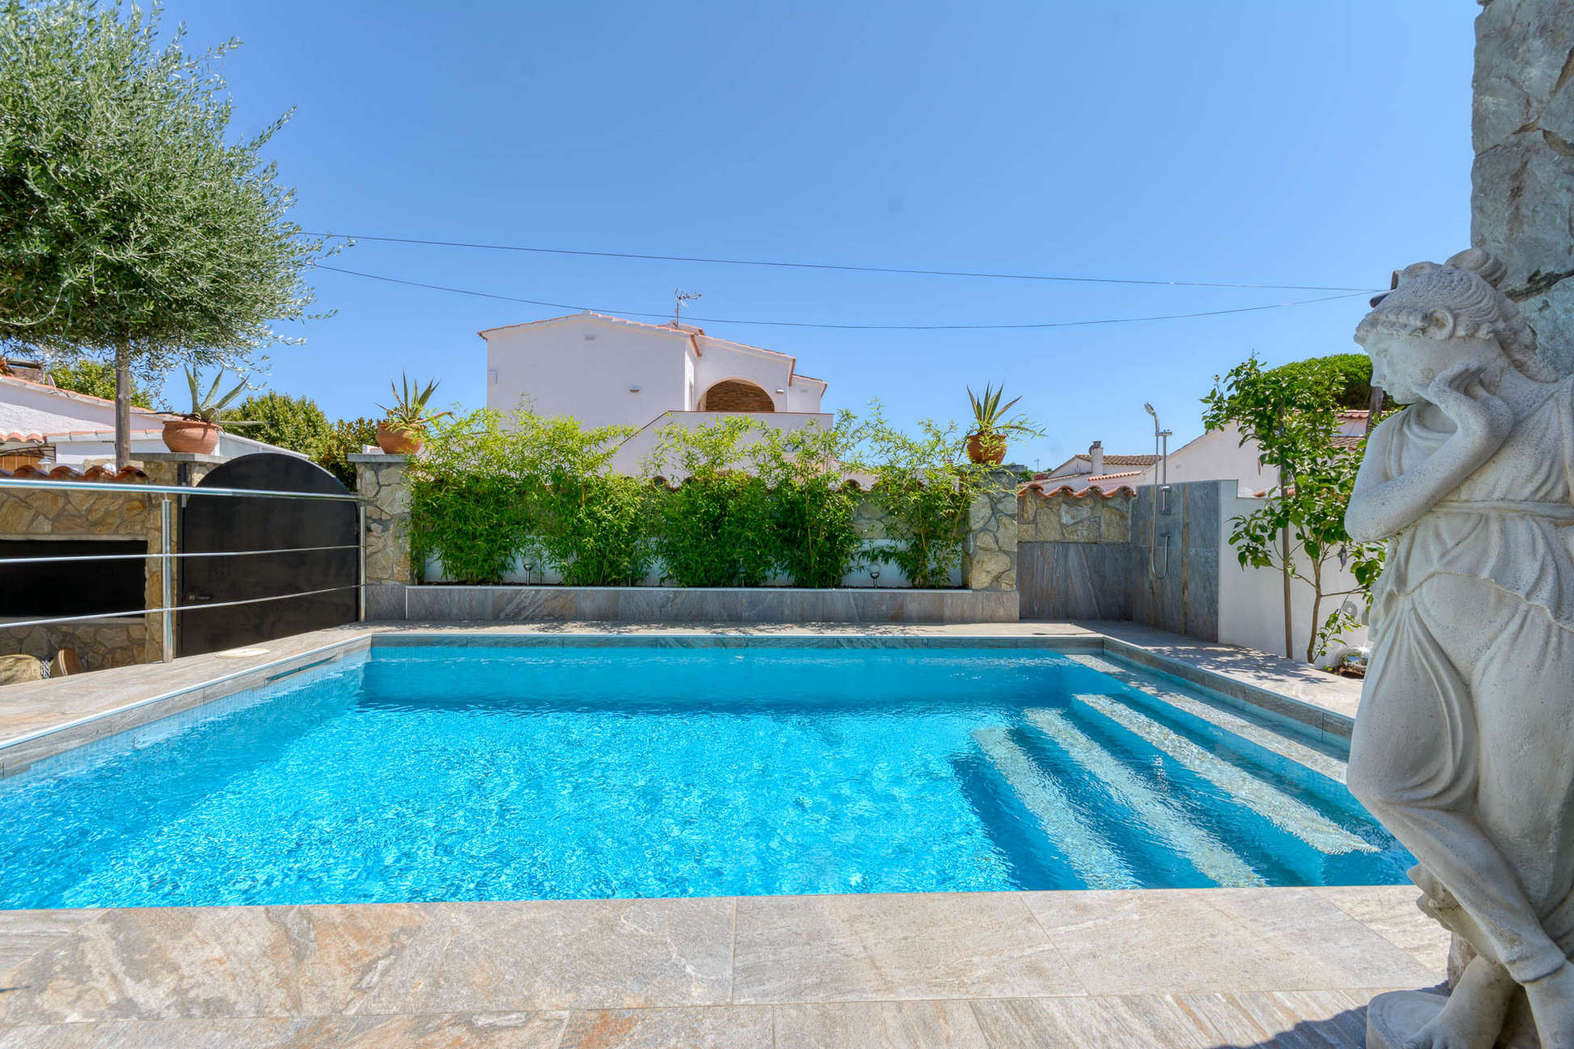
[133, 228]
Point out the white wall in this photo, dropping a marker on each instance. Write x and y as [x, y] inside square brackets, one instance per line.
[584, 366]
[1251, 600]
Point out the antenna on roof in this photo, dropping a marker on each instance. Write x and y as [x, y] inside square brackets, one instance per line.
[679, 298]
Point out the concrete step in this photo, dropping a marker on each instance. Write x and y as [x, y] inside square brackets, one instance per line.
[1094, 860]
[1281, 809]
[1197, 845]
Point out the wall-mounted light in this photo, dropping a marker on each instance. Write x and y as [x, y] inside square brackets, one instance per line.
[633, 389]
[780, 390]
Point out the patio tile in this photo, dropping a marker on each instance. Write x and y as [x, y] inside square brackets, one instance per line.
[577, 954]
[26, 933]
[496, 1031]
[380, 959]
[1137, 1022]
[1171, 941]
[713, 1027]
[863, 948]
[1391, 911]
[1287, 1019]
[879, 1025]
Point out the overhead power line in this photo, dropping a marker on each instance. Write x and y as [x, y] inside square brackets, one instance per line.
[844, 327]
[985, 275]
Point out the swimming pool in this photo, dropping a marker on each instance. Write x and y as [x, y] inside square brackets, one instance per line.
[412, 772]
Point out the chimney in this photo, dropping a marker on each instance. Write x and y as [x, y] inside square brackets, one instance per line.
[1096, 453]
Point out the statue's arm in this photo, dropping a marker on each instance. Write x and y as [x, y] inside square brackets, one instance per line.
[1381, 506]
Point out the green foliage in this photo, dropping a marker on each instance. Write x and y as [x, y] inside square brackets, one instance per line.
[96, 379]
[756, 502]
[131, 229]
[289, 422]
[483, 492]
[345, 438]
[408, 412]
[715, 528]
[812, 507]
[209, 407]
[925, 485]
[989, 413]
[1293, 415]
[1351, 374]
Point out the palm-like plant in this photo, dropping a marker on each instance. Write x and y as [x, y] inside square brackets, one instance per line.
[988, 412]
[209, 407]
[408, 413]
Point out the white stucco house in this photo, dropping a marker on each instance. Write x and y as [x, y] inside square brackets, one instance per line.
[608, 371]
[41, 423]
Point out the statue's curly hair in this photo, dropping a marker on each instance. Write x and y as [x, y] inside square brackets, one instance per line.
[1459, 298]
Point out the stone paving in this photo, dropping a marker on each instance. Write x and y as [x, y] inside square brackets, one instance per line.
[1174, 968]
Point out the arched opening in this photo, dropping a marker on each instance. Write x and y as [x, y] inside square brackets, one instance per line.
[736, 395]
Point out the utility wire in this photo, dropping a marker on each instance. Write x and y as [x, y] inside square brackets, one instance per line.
[846, 327]
[833, 266]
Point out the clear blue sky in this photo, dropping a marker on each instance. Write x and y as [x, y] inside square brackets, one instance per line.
[1295, 141]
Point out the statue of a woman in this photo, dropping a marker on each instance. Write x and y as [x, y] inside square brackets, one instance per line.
[1464, 746]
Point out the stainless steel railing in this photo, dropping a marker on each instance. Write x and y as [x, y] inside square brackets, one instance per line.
[167, 555]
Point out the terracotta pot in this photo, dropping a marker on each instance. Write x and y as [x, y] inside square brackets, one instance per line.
[190, 435]
[395, 441]
[986, 450]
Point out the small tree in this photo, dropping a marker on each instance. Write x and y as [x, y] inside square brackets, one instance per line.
[295, 423]
[1293, 415]
[130, 229]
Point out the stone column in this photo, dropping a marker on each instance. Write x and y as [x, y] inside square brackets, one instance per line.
[989, 557]
[383, 481]
[1522, 182]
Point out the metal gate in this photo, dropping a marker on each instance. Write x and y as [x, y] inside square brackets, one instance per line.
[265, 566]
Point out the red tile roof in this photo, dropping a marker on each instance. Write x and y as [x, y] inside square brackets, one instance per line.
[127, 475]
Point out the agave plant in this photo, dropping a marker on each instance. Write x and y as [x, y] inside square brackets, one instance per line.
[408, 413]
[988, 412]
[209, 407]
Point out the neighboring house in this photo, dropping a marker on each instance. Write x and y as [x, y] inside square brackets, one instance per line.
[41, 423]
[1217, 455]
[607, 371]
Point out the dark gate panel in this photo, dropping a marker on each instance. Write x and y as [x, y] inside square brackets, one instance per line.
[220, 523]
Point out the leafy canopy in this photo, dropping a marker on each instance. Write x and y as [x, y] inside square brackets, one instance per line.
[1292, 413]
[129, 220]
[289, 422]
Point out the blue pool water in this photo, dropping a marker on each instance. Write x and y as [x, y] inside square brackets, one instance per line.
[482, 773]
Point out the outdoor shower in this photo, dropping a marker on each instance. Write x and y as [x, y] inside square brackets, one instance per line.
[1161, 496]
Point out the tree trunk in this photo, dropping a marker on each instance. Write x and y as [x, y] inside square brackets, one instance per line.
[122, 406]
[1289, 624]
[1317, 608]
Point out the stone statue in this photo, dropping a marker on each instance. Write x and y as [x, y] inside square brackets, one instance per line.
[1464, 745]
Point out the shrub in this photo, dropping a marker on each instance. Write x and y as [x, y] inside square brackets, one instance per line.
[289, 422]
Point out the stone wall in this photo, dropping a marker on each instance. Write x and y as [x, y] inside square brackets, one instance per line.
[1112, 557]
[1522, 182]
[989, 555]
[383, 481]
[38, 513]
[1075, 560]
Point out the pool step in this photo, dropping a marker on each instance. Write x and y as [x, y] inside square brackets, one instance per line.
[1199, 847]
[1235, 724]
[1095, 862]
[1284, 811]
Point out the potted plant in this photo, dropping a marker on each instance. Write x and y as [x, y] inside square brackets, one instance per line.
[198, 430]
[401, 430]
[987, 443]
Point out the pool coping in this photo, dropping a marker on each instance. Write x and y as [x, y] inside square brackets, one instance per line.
[195, 681]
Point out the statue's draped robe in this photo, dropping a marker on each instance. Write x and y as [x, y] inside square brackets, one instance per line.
[1465, 746]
